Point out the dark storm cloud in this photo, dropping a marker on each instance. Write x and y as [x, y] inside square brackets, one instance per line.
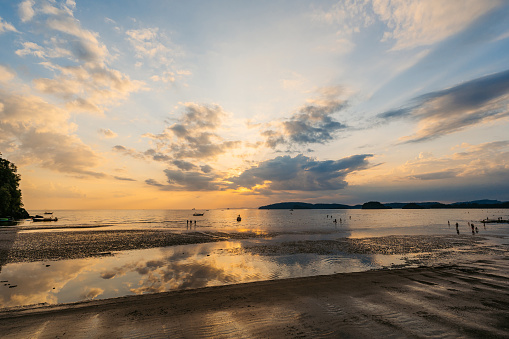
[301, 173]
[447, 111]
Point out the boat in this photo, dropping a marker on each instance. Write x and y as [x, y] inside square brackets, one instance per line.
[7, 221]
[48, 216]
[197, 214]
[239, 218]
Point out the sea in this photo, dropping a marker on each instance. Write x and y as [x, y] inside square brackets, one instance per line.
[277, 253]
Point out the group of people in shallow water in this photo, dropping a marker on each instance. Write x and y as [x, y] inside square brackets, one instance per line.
[474, 228]
[336, 221]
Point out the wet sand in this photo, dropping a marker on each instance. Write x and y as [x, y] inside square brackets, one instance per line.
[24, 247]
[37, 246]
[467, 301]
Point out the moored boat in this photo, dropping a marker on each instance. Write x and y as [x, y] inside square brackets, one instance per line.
[48, 216]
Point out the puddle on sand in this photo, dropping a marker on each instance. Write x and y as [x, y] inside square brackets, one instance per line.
[165, 269]
[219, 263]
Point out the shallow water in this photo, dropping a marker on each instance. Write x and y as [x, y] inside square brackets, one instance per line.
[356, 223]
[308, 243]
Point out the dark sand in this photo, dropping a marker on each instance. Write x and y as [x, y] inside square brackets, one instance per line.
[469, 299]
[24, 247]
[442, 302]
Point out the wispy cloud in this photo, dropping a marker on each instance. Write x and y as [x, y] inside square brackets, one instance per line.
[443, 112]
[107, 133]
[447, 174]
[86, 83]
[6, 74]
[153, 182]
[156, 48]
[469, 163]
[418, 23]
[124, 179]
[6, 26]
[409, 23]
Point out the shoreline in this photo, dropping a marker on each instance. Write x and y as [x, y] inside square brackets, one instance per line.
[465, 300]
[18, 246]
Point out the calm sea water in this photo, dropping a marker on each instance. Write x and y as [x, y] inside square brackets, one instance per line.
[354, 223]
[226, 262]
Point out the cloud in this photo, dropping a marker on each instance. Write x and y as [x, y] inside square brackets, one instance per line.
[193, 135]
[128, 151]
[190, 181]
[409, 23]
[88, 89]
[107, 133]
[146, 155]
[26, 11]
[184, 165]
[155, 47]
[447, 174]
[418, 23]
[39, 132]
[443, 112]
[312, 123]
[85, 83]
[486, 162]
[145, 43]
[350, 16]
[124, 179]
[6, 74]
[6, 26]
[60, 152]
[153, 182]
[300, 173]
[91, 293]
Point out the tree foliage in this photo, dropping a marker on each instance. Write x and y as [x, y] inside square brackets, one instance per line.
[10, 194]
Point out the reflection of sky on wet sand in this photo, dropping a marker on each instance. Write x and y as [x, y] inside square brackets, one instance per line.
[187, 267]
[162, 269]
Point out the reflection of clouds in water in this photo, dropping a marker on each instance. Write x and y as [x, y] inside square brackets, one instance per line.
[91, 293]
[189, 267]
[171, 276]
[37, 283]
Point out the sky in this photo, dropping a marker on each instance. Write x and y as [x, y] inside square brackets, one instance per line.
[213, 104]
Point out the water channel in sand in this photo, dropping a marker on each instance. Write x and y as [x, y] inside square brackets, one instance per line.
[304, 243]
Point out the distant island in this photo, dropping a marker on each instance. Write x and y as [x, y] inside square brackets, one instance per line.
[485, 203]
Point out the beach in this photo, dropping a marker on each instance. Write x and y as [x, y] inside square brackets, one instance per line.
[60, 280]
[440, 302]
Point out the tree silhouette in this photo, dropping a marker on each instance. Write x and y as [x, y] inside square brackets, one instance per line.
[10, 194]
